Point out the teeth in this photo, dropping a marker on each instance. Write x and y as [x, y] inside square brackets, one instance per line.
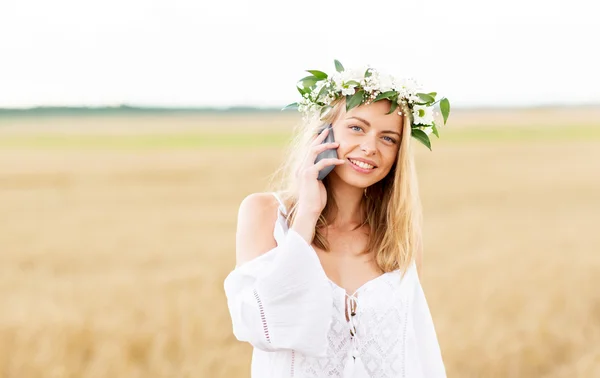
[361, 164]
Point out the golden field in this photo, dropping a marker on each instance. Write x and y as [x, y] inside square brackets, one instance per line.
[116, 233]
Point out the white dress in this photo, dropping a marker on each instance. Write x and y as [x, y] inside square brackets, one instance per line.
[295, 317]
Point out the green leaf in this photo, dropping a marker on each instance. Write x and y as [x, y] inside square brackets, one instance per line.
[322, 92]
[432, 94]
[324, 109]
[354, 100]
[425, 97]
[388, 95]
[368, 72]
[318, 74]
[302, 90]
[293, 105]
[445, 108]
[421, 137]
[352, 82]
[308, 81]
[435, 130]
[338, 65]
[393, 107]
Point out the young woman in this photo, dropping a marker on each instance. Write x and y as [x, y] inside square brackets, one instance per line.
[326, 282]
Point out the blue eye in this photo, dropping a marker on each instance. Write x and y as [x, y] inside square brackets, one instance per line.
[352, 127]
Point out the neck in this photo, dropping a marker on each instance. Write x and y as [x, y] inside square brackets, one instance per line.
[349, 200]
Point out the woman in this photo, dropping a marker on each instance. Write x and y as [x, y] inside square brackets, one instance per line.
[326, 282]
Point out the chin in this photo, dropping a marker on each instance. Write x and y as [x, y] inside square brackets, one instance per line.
[355, 179]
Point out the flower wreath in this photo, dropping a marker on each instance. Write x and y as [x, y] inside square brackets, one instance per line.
[366, 86]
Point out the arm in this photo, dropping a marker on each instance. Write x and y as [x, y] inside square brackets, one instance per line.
[278, 295]
[428, 348]
[254, 232]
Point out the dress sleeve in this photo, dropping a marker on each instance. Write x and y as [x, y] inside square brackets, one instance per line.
[428, 348]
[282, 299]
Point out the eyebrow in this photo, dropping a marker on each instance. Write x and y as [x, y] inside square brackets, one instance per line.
[368, 124]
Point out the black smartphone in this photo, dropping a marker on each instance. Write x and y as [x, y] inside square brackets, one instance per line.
[328, 153]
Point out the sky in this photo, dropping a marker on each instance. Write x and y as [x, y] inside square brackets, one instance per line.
[251, 53]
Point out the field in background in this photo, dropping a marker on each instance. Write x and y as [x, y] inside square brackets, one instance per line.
[116, 234]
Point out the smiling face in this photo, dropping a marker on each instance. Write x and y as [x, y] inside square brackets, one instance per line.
[369, 141]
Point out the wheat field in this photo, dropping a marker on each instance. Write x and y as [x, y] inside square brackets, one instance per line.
[116, 233]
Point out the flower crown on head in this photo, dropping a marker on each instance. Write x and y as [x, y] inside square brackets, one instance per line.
[365, 86]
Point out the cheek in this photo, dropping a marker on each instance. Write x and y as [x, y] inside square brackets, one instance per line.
[342, 150]
[340, 135]
[389, 159]
[344, 141]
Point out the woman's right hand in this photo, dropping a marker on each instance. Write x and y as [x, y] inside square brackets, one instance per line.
[312, 197]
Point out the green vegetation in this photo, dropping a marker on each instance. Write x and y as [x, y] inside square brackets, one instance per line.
[525, 134]
[144, 141]
[44, 111]
[214, 140]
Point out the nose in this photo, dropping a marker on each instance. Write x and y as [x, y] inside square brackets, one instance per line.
[368, 147]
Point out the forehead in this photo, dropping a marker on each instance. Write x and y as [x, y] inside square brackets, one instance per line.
[376, 114]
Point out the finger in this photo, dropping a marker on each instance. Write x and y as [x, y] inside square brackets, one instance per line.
[323, 147]
[321, 137]
[327, 162]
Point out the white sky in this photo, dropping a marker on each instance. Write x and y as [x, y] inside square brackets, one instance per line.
[227, 53]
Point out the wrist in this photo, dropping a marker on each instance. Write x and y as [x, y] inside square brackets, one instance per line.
[304, 225]
[308, 214]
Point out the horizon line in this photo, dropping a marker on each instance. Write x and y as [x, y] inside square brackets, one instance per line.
[240, 108]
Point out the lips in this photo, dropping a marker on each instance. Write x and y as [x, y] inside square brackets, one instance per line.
[359, 164]
[370, 162]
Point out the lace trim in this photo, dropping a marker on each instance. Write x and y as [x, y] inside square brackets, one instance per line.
[262, 317]
[382, 325]
[293, 362]
[404, 349]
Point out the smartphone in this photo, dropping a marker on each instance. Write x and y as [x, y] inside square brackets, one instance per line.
[328, 153]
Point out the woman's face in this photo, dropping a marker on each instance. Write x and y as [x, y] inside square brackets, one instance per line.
[367, 133]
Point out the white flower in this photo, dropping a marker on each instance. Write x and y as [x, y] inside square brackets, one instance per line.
[320, 84]
[427, 130]
[407, 87]
[386, 83]
[413, 98]
[423, 114]
[348, 91]
[337, 81]
[327, 99]
[352, 74]
[372, 82]
[340, 80]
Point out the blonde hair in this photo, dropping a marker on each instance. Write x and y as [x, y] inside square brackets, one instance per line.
[392, 205]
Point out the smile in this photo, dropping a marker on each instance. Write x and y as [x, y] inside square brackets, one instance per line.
[360, 166]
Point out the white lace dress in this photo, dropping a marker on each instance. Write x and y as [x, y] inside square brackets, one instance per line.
[295, 317]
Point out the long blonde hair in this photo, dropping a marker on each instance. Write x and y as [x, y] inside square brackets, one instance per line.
[392, 205]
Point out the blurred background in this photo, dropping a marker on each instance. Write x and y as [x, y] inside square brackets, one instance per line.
[130, 131]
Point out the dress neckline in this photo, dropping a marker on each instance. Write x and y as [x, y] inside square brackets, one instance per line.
[361, 287]
[333, 283]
